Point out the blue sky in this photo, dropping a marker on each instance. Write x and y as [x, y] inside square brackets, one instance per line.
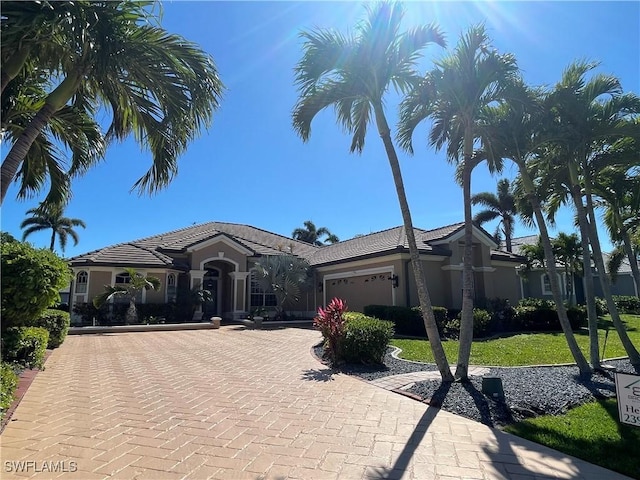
[251, 168]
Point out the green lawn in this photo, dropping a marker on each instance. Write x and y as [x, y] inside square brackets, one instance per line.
[526, 349]
[591, 432]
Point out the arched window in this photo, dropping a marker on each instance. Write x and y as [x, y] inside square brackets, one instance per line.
[82, 278]
[171, 287]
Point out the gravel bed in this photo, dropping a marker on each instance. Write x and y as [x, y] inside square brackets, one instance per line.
[528, 391]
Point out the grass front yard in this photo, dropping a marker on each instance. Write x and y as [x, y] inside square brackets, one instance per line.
[591, 432]
[526, 349]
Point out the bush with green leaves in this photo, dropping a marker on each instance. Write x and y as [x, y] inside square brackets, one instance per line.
[627, 304]
[408, 321]
[8, 386]
[365, 338]
[25, 346]
[601, 307]
[56, 322]
[31, 281]
[541, 315]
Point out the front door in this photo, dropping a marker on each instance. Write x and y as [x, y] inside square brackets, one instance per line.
[210, 282]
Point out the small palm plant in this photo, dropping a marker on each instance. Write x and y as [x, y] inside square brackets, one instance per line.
[286, 276]
[137, 283]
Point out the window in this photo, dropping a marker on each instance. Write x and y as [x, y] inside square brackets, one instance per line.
[124, 279]
[81, 282]
[546, 285]
[171, 287]
[260, 298]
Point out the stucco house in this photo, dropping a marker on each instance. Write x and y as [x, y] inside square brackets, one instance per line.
[368, 269]
[535, 283]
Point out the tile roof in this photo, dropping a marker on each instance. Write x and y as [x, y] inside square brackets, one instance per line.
[158, 250]
[153, 251]
[386, 241]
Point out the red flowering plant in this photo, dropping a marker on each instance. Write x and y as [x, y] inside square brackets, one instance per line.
[331, 323]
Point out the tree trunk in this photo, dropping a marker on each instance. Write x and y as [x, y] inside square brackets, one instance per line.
[466, 317]
[633, 261]
[632, 352]
[55, 100]
[581, 362]
[421, 285]
[590, 296]
[53, 240]
[132, 313]
[508, 229]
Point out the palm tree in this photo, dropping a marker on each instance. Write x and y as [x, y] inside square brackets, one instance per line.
[585, 117]
[568, 252]
[45, 162]
[286, 276]
[353, 73]
[511, 130]
[137, 283]
[502, 206]
[311, 234]
[158, 86]
[47, 217]
[453, 96]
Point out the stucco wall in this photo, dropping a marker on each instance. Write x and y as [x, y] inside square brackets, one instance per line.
[97, 280]
[505, 284]
[213, 252]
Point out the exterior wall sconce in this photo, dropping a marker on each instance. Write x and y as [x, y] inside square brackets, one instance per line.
[394, 280]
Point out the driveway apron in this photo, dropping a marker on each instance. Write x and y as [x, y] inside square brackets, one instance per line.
[244, 404]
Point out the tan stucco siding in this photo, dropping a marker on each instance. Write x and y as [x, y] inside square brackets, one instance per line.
[153, 296]
[97, 280]
[506, 284]
[212, 253]
[437, 284]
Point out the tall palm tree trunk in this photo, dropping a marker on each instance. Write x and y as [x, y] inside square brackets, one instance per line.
[55, 100]
[633, 261]
[53, 240]
[577, 354]
[466, 320]
[632, 352]
[423, 293]
[590, 297]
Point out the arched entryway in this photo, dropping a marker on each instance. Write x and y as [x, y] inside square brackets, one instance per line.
[212, 282]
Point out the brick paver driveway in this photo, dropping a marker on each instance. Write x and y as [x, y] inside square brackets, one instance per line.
[235, 403]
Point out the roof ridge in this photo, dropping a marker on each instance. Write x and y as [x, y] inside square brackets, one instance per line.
[442, 227]
[266, 231]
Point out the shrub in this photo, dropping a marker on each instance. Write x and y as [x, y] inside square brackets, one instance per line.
[601, 307]
[627, 304]
[56, 322]
[481, 323]
[331, 323]
[8, 386]
[543, 316]
[31, 280]
[365, 339]
[408, 321]
[25, 346]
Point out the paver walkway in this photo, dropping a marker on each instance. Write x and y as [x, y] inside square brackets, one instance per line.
[235, 403]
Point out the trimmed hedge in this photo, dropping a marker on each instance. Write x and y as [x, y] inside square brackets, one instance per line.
[408, 321]
[365, 338]
[541, 315]
[25, 346]
[8, 386]
[56, 322]
[627, 304]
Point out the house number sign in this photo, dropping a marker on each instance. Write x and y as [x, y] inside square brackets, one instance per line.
[628, 393]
